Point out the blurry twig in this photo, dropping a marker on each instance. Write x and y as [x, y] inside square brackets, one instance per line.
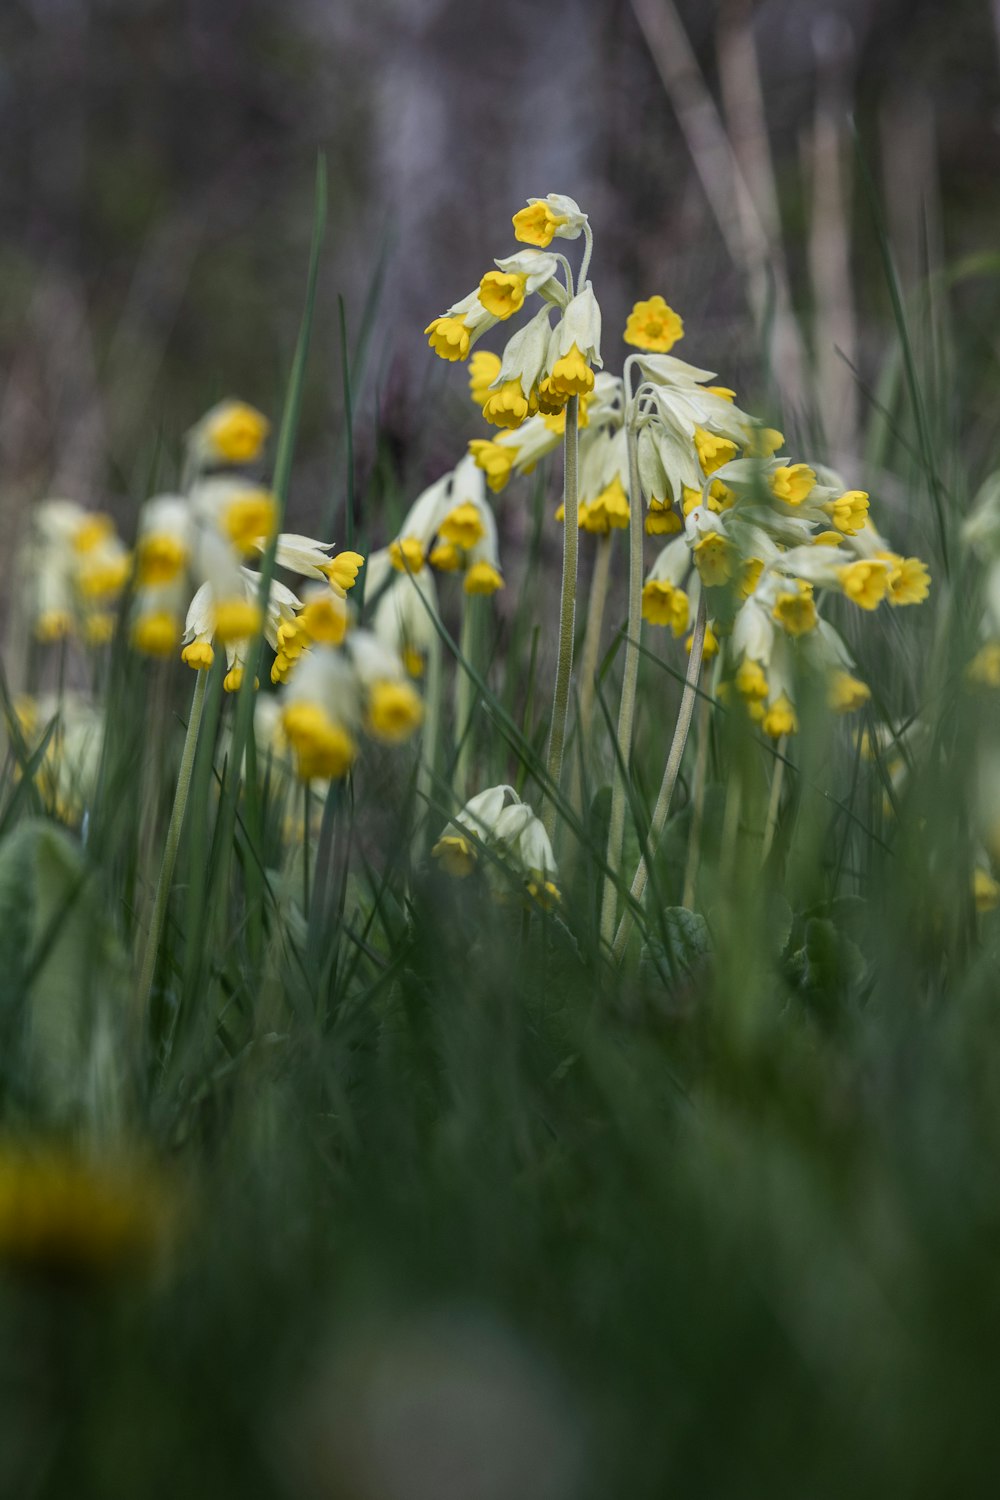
[729, 195]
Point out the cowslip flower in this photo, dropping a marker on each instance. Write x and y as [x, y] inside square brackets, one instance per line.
[653, 326]
[231, 433]
[548, 218]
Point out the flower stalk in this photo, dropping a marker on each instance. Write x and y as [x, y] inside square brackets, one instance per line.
[567, 609]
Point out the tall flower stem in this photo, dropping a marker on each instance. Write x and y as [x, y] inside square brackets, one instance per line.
[596, 605]
[567, 609]
[171, 846]
[464, 692]
[429, 737]
[626, 710]
[777, 781]
[697, 805]
[670, 773]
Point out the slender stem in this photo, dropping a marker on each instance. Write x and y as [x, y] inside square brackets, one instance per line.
[777, 781]
[697, 806]
[626, 711]
[429, 736]
[567, 608]
[670, 773]
[163, 884]
[464, 692]
[590, 654]
[306, 851]
[588, 247]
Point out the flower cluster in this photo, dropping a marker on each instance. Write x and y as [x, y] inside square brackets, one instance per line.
[78, 567]
[451, 526]
[498, 821]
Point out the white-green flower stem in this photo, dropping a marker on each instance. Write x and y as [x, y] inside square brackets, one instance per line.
[567, 610]
[626, 710]
[428, 744]
[670, 773]
[464, 691]
[171, 846]
[777, 781]
[588, 248]
[589, 657]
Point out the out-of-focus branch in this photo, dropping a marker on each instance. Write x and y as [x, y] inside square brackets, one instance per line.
[729, 195]
[835, 326]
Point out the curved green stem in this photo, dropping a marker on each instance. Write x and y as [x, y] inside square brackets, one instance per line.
[670, 773]
[567, 608]
[163, 884]
[626, 711]
[589, 655]
[588, 248]
[777, 781]
[464, 692]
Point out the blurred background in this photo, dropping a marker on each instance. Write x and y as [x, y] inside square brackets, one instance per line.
[156, 200]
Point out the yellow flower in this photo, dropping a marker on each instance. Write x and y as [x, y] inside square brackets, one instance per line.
[198, 655]
[749, 576]
[763, 442]
[846, 694]
[713, 451]
[713, 557]
[446, 557]
[507, 406]
[751, 684]
[780, 719]
[710, 644]
[156, 633]
[324, 618]
[462, 526]
[662, 519]
[571, 374]
[323, 748]
[97, 528]
[795, 611]
[502, 293]
[234, 433]
[545, 892]
[551, 403]
[495, 459]
[394, 711]
[864, 583]
[984, 668]
[457, 855]
[343, 569]
[555, 420]
[236, 620]
[59, 1212]
[985, 890]
[792, 483]
[233, 680]
[103, 578]
[483, 370]
[653, 325]
[407, 554]
[537, 224]
[690, 497]
[159, 558]
[663, 604]
[248, 518]
[607, 510]
[448, 337]
[909, 580]
[482, 578]
[53, 625]
[720, 496]
[827, 539]
[849, 512]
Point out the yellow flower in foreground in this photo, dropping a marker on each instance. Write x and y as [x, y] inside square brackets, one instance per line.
[502, 292]
[653, 325]
[663, 604]
[59, 1212]
[985, 890]
[751, 684]
[236, 620]
[749, 576]
[795, 611]
[457, 855]
[406, 554]
[445, 557]
[571, 374]
[864, 583]
[156, 633]
[448, 337]
[394, 711]
[846, 693]
[159, 558]
[537, 224]
[984, 668]
[198, 655]
[607, 510]
[483, 370]
[792, 483]
[713, 451]
[323, 749]
[713, 557]
[780, 719]
[507, 406]
[495, 460]
[324, 617]
[763, 441]
[249, 517]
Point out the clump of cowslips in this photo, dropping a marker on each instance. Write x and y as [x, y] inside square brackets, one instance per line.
[77, 567]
